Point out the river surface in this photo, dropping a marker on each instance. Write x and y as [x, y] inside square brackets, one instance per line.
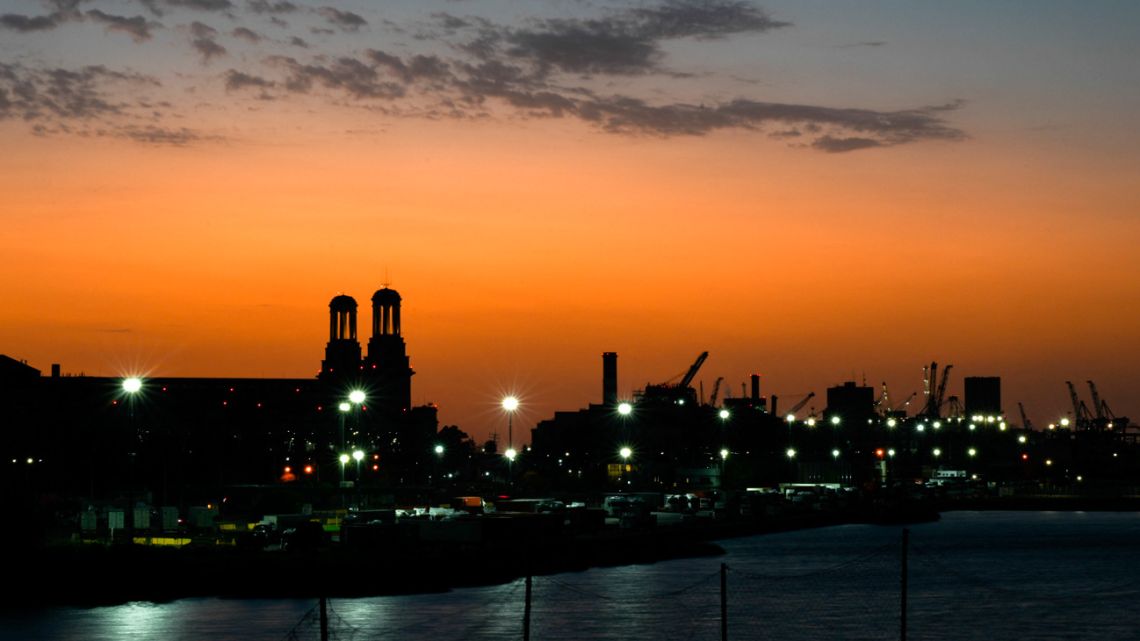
[972, 575]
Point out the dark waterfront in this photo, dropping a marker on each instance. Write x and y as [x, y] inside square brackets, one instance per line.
[972, 575]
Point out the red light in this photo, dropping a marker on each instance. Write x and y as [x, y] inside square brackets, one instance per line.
[288, 469]
[1025, 457]
[259, 404]
[375, 457]
[308, 469]
[375, 468]
[880, 453]
[225, 402]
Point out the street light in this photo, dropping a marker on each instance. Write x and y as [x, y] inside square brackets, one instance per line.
[132, 384]
[356, 396]
[835, 420]
[510, 404]
[624, 409]
[625, 452]
[439, 450]
[358, 456]
[343, 461]
[791, 453]
[724, 414]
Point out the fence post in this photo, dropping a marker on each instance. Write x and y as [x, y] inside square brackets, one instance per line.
[903, 585]
[526, 611]
[324, 619]
[723, 602]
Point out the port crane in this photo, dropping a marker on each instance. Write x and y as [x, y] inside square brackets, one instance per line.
[883, 403]
[799, 406]
[901, 407]
[934, 389]
[1025, 423]
[679, 393]
[715, 391]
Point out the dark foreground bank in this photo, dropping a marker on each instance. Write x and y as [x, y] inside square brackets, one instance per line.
[96, 575]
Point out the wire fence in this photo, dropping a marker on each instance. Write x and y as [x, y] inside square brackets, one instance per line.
[891, 591]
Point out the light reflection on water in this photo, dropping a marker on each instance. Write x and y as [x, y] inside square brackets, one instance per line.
[972, 576]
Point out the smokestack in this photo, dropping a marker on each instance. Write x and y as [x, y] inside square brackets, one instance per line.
[55, 370]
[755, 389]
[609, 378]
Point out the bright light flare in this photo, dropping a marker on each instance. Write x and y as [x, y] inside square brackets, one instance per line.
[626, 452]
[358, 456]
[510, 403]
[625, 409]
[132, 384]
[356, 396]
[511, 454]
[724, 414]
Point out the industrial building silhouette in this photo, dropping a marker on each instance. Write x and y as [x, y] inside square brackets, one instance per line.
[87, 436]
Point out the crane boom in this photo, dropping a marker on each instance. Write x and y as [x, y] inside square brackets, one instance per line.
[799, 406]
[941, 390]
[692, 373]
[1024, 419]
[1076, 401]
[1097, 406]
[716, 391]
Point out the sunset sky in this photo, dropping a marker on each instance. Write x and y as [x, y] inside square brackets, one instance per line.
[813, 191]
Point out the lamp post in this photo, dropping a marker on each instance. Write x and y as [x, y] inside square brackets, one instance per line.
[343, 458]
[344, 407]
[356, 397]
[131, 387]
[510, 404]
[358, 456]
[625, 452]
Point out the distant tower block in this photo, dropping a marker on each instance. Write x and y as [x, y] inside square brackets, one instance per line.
[609, 378]
[387, 364]
[983, 395]
[342, 353]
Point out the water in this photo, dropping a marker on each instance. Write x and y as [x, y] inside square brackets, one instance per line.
[972, 575]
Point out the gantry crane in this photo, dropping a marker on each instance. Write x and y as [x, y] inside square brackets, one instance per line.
[799, 406]
[1024, 419]
[715, 391]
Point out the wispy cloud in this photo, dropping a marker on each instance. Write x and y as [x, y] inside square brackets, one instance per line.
[136, 27]
[596, 67]
[346, 20]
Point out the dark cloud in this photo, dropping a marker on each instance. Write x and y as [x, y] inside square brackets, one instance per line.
[417, 68]
[448, 21]
[298, 42]
[624, 42]
[356, 78]
[137, 27]
[236, 80]
[837, 145]
[24, 24]
[57, 94]
[699, 18]
[155, 135]
[204, 43]
[202, 5]
[346, 20]
[246, 34]
[265, 6]
[591, 46]
[152, 6]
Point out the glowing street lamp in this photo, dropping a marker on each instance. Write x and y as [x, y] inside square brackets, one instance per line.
[724, 414]
[343, 458]
[835, 420]
[624, 409]
[344, 406]
[132, 384]
[510, 404]
[791, 453]
[835, 454]
[358, 456]
[439, 450]
[625, 453]
[356, 396]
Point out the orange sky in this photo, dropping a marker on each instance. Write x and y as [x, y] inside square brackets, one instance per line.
[525, 247]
